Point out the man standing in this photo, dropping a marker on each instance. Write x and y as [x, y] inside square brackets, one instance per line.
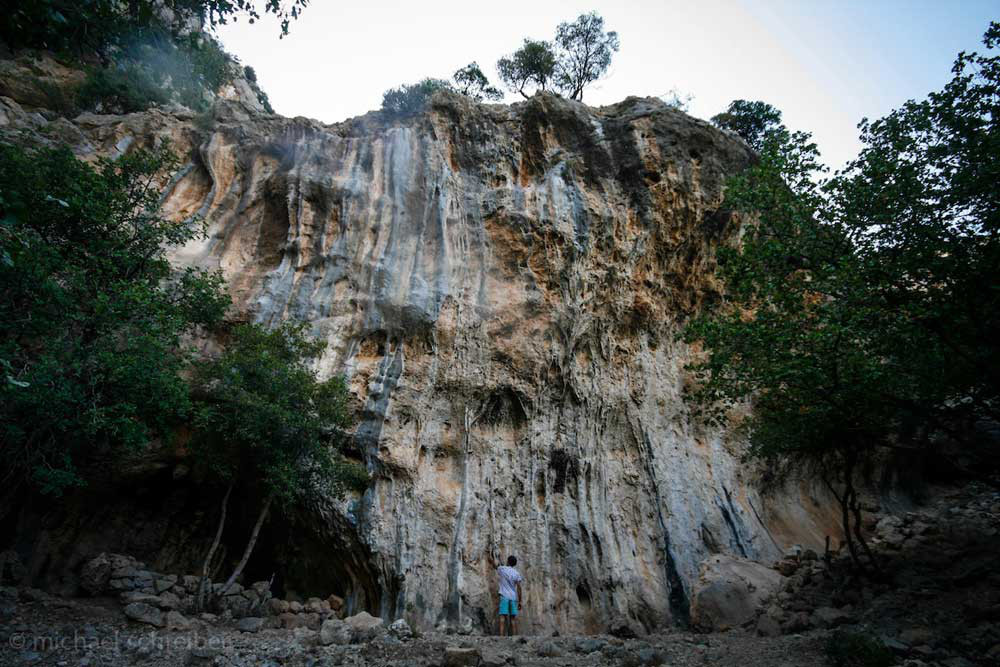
[510, 593]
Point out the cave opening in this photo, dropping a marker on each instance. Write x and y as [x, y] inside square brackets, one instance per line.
[306, 556]
[583, 594]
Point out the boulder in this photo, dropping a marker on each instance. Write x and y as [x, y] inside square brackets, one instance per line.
[625, 628]
[651, 657]
[364, 626]
[145, 613]
[455, 656]
[767, 626]
[190, 583]
[400, 629]
[589, 645]
[95, 577]
[730, 590]
[828, 617]
[335, 631]
[290, 621]
[317, 606]
[295, 607]
[168, 600]
[163, 584]
[278, 607]
[336, 602]
[549, 650]
[796, 622]
[177, 621]
[135, 596]
[490, 657]
[250, 624]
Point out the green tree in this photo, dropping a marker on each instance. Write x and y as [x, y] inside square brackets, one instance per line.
[266, 422]
[534, 64]
[860, 312]
[755, 122]
[583, 53]
[471, 81]
[411, 98]
[96, 26]
[92, 315]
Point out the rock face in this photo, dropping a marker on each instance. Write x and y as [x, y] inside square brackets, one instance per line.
[502, 286]
[730, 590]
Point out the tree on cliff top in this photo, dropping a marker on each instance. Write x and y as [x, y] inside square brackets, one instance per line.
[534, 64]
[579, 55]
[754, 122]
[860, 313]
[93, 317]
[411, 98]
[266, 422]
[471, 81]
[583, 53]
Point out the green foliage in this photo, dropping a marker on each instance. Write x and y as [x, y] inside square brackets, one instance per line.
[220, 12]
[98, 26]
[755, 122]
[845, 648]
[861, 311]
[62, 25]
[154, 67]
[92, 315]
[411, 98]
[471, 81]
[583, 53]
[123, 89]
[579, 55]
[265, 418]
[534, 64]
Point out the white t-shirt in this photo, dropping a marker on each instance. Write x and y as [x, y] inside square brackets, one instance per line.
[509, 578]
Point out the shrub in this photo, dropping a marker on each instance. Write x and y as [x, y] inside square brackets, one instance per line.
[120, 90]
[411, 98]
[93, 317]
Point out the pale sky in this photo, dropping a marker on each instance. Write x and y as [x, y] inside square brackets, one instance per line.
[824, 64]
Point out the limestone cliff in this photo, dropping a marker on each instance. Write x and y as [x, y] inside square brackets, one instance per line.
[502, 285]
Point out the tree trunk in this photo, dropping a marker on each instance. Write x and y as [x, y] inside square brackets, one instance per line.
[200, 599]
[850, 498]
[856, 510]
[845, 514]
[250, 545]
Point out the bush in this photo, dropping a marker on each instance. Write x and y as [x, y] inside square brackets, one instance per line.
[120, 90]
[857, 649]
[411, 98]
[93, 317]
[154, 69]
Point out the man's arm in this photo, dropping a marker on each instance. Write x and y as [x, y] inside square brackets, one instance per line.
[520, 595]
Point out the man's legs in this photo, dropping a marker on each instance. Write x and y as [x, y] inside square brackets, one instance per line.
[513, 625]
[503, 624]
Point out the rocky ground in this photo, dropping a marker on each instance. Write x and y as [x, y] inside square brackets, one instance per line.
[936, 599]
[937, 603]
[50, 631]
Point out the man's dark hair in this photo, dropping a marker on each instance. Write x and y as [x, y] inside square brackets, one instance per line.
[511, 561]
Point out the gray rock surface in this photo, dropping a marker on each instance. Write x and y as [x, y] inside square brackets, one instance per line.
[250, 624]
[730, 591]
[335, 631]
[144, 613]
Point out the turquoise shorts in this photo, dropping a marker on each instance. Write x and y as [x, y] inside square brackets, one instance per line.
[508, 607]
